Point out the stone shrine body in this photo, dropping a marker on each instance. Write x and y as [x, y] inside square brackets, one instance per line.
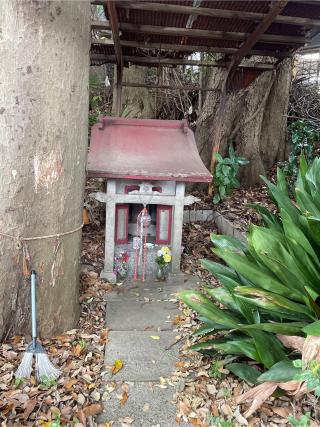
[145, 163]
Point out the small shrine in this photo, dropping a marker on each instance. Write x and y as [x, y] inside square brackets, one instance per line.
[146, 164]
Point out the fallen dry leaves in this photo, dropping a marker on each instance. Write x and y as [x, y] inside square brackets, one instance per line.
[235, 209]
[104, 336]
[259, 394]
[117, 366]
[75, 398]
[201, 397]
[93, 410]
[126, 421]
[256, 396]
[197, 245]
[79, 353]
[125, 394]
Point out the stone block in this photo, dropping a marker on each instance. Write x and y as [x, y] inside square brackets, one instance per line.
[144, 358]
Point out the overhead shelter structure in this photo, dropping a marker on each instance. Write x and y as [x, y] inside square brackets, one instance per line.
[166, 32]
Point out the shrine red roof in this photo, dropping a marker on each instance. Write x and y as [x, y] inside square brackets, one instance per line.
[145, 149]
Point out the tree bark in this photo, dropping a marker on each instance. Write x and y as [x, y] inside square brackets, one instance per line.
[137, 102]
[43, 144]
[254, 118]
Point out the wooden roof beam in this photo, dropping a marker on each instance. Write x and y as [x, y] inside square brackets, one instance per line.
[114, 23]
[304, 2]
[114, 26]
[309, 49]
[214, 13]
[100, 25]
[258, 33]
[173, 61]
[170, 87]
[189, 48]
[208, 34]
[163, 62]
[208, 49]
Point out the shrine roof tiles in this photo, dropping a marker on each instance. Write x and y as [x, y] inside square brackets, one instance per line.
[145, 149]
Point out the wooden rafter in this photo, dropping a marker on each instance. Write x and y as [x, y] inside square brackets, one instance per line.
[114, 23]
[163, 62]
[195, 88]
[208, 49]
[309, 49]
[258, 33]
[114, 26]
[173, 61]
[304, 2]
[188, 48]
[208, 34]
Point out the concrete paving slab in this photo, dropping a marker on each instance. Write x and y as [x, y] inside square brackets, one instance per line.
[147, 404]
[144, 358]
[152, 290]
[142, 293]
[139, 315]
[127, 315]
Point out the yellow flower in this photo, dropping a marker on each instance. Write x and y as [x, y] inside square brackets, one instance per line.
[165, 249]
[167, 258]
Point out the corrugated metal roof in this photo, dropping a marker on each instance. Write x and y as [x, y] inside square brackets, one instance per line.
[139, 17]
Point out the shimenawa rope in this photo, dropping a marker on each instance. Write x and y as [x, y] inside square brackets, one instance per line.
[48, 236]
[22, 244]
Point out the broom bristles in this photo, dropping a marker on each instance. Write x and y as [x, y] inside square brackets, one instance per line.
[25, 368]
[44, 367]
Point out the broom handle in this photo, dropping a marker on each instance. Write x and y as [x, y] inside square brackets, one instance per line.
[33, 309]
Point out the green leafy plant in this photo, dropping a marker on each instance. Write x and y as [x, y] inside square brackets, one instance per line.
[269, 285]
[19, 381]
[304, 137]
[47, 382]
[57, 420]
[96, 99]
[94, 112]
[219, 422]
[225, 176]
[216, 369]
[81, 342]
[310, 374]
[303, 421]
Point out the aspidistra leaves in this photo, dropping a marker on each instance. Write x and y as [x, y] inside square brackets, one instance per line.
[269, 285]
[206, 308]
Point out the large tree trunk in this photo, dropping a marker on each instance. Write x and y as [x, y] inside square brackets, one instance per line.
[254, 118]
[44, 70]
[137, 102]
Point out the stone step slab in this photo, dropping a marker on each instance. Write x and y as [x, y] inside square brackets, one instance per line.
[146, 355]
[153, 291]
[148, 405]
[127, 315]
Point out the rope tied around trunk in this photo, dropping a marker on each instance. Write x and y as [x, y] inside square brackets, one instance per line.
[22, 244]
[48, 236]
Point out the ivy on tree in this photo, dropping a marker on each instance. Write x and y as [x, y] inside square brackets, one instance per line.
[226, 171]
[304, 138]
